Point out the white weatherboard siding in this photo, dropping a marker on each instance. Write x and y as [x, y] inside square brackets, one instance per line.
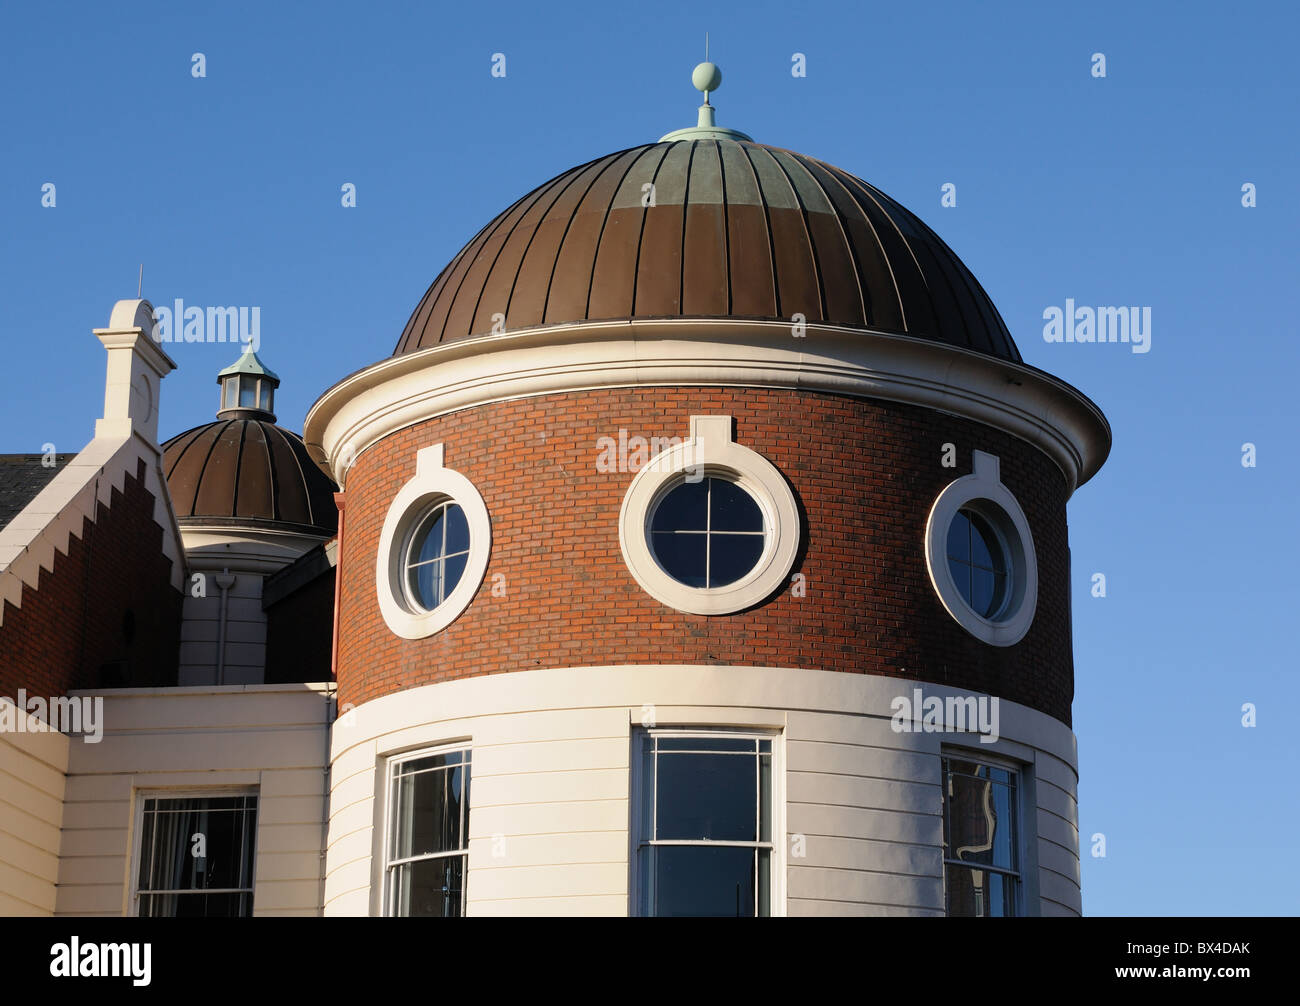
[267, 738]
[33, 768]
[550, 790]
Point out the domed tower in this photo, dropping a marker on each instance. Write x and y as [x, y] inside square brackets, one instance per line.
[253, 510]
[708, 518]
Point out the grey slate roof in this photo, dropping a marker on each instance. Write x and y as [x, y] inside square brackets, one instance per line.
[22, 477]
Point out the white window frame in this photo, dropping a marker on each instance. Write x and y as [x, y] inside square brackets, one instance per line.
[390, 821]
[976, 492]
[142, 796]
[779, 840]
[433, 483]
[1021, 773]
[710, 451]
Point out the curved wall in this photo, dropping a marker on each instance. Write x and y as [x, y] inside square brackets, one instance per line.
[558, 594]
[549, 814]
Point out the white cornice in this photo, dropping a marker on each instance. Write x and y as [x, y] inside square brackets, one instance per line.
[398, 392]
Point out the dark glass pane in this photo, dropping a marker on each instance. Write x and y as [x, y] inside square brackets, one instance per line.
[169, 842]
[430, 888]
[424, 584]
[982, 589]
[979, 822]
[698, 880]
[454, 569]
[706, 744]
[684, 508]
[733, 508]
[429, 761]
[731, 556]
[196, 906]
[763, 869]
[426, 543]
[979, 892]
[703, 796]
[959, 537]
[682, 556]
[428, 813]
[983, 545]
[457, 530]
[961, 579]
[647, 792]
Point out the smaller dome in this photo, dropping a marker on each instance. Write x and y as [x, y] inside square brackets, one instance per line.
[243, 470]
[248, 472]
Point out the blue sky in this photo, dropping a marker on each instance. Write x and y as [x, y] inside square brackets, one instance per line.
[1117, 191]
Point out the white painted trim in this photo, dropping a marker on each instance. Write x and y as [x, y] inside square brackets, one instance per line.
[710, 450]
[404, 390]
[976, 490]
[433, 483]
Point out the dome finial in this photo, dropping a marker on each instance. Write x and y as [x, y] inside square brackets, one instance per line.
[707, 78]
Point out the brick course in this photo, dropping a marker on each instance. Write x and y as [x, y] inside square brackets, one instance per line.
[865, 474]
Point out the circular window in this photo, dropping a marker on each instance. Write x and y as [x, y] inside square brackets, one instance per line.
[707, 533]
[978, 561]
[436, 555]
[980, 554]
[709, 526]
[433, 549]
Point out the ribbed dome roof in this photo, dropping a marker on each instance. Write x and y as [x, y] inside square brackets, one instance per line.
[737, 229]
[247, 472]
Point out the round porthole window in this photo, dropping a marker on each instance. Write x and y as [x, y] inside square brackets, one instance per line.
[709, 526]
[978, 561]
[433, 549]
[707, 533]
[980, 554]
[436, 555]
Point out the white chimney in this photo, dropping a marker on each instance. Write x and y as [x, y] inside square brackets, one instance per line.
[136, 367]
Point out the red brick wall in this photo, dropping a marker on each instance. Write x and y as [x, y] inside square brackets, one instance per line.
[77, 621]
[865, 474]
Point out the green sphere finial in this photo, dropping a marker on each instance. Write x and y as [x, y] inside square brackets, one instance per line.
[706, 77]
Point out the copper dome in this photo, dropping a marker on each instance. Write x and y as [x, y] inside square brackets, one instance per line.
[247, 472]
[737, 229]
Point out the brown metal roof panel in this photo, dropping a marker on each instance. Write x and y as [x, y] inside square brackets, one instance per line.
[528, 301]
[186, 472]
[570, 286]
[255, 487]
[215, 492]
[913, 294]
[291, 501]
[797, 283]
[841, 286]
[464, 305]
[750, 278]
[500, 282]
[704, 263]
[659, 259]
[430, 329]
[883, 308]
[753, 287]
